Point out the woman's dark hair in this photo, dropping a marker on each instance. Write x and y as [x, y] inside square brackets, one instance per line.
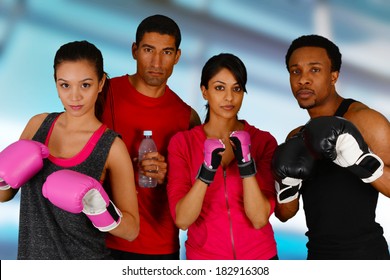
[83, 50]
[317, 41]
[160, 24]
[217, 63]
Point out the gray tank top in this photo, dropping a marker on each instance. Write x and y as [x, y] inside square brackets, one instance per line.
[46, 231]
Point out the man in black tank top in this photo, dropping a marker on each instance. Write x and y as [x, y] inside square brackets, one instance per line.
[338, 162]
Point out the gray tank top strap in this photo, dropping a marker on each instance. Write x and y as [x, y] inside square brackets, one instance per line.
[44, 129]
[94, 164]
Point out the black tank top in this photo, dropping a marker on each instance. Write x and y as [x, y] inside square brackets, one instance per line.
[340, 212]
[46, 231]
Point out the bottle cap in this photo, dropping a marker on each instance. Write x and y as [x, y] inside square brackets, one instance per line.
[147, 133]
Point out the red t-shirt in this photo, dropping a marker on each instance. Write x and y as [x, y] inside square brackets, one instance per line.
[129, 113]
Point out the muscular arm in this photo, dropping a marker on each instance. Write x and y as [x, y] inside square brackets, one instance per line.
[375, 129]
[285, 211]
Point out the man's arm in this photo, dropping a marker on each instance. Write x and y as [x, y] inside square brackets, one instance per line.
[285, 211]
[291, 164]
[375, 129]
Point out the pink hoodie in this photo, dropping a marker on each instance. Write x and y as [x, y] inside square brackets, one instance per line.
[222, 230]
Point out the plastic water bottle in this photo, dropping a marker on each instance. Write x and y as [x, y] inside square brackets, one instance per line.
[147, 145]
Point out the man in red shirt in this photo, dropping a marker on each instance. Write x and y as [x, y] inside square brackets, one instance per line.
[143, 101]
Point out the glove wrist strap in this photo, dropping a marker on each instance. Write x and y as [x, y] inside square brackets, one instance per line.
[247, 169]
[288, 194]
[107, 220]
[206, 174]
[288, 189]
[369, 167]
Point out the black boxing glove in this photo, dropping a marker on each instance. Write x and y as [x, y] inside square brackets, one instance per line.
[337, 139]
[212, 159]
[291, 164]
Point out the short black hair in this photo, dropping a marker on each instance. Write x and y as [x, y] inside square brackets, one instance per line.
[160, 24]
[317, 41]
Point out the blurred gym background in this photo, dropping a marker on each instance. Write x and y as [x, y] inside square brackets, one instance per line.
[259, 32]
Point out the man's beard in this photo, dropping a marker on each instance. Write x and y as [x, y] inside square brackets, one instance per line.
[154, 81]
[307, 106]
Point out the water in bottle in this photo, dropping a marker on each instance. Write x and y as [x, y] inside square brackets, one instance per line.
[147, 145]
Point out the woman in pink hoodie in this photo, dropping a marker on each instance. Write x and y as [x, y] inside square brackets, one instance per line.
[220, 185]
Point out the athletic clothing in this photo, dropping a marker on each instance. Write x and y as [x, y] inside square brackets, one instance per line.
[129, 112]
[340, 213]
[48, 232]
[222, 230]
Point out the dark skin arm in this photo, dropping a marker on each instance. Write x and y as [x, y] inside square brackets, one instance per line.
[375, 129]
[285, 211]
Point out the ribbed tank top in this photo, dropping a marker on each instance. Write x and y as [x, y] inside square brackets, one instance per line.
[46, 231]
[340, 212]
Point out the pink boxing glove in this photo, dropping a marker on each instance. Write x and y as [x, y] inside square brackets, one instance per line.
[20, 161]
[75, 192]
[212, 159]
[241, 146]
